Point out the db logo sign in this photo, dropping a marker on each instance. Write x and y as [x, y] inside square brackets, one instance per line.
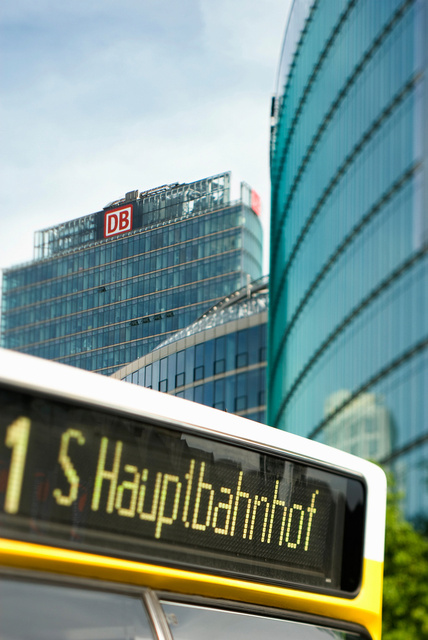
[117, 221]
[256, 203]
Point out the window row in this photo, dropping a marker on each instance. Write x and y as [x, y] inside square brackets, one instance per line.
[235, 394]
[161, 263]
[237, 350]
[147, 316]
[388, 331]
[330, 289]
[139, 243]
[142, 298]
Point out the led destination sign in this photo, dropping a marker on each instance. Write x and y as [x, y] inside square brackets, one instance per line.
[105, 483]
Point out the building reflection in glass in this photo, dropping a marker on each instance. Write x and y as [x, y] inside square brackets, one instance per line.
[362, 426]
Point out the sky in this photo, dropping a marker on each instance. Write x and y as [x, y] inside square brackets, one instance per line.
[101, 97]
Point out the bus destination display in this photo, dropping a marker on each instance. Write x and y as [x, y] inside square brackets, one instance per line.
[117, 485]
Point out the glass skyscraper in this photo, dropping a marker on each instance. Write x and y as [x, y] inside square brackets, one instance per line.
[348, 325]
[107, 288]
[219, 360]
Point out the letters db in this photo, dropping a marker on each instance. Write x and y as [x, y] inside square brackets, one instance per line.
[117, 221]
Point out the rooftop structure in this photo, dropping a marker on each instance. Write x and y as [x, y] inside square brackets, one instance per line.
[107, 288]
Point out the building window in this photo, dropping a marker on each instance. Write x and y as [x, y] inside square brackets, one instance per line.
[241, 360]
[199, 373]
[163, 386]
[180, 361]
[149, 376]
[241, 403]
[163, 369]
[179, 380]
[219, 366]
[199, 394]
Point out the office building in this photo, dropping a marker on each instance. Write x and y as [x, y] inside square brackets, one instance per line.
[348, 324]
[219, 360]
[107, 288]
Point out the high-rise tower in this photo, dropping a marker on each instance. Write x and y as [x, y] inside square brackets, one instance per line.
[106, 288]
[349, 229]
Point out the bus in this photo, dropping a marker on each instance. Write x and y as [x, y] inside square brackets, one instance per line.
[129, 514]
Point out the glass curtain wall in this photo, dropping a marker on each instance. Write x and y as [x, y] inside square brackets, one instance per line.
[348, 326]
[219, 360]
[104, 304]
[227, 372]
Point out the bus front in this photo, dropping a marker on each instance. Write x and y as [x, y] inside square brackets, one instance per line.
[127, 513]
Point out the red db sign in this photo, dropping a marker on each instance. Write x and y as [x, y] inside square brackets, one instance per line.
[256, 203]
[117, 221]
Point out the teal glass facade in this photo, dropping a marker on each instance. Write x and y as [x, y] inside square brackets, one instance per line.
[219, 360]
[98, 301]
[348, 324]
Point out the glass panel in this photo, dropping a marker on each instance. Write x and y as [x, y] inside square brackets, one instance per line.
[199, 355]
[190, 363]
[241, 360]
[199, 394]
[172, 369]
[188, 622]
[209, 357]
[179, 380]
[180, 361]
[149, 375]
[219, 366]
[199, 373]
[34, 611]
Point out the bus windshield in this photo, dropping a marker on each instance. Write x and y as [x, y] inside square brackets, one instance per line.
[37, 611]
[188, 622]
[31, 610]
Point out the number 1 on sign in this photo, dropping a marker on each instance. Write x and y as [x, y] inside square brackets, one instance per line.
[17, 435]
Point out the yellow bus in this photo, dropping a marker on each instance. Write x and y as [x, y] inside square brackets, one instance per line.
[126, 514]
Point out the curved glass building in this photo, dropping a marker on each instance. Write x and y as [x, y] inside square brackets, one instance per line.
[219, 360]
[348, 324]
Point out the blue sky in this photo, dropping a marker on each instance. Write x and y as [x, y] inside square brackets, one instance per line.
[100, 97]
